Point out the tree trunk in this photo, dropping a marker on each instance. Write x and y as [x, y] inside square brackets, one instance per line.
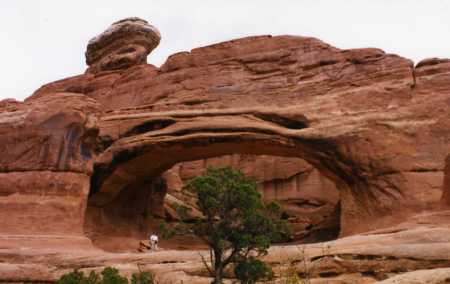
[218, 267]
[218, 277]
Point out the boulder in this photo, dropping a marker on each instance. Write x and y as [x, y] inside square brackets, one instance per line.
[124, 44]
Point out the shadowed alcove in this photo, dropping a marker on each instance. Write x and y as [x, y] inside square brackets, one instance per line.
[309, 201]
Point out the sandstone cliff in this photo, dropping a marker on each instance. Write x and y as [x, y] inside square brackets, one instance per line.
[122, 138]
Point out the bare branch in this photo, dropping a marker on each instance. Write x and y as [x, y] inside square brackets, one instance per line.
[205, 263]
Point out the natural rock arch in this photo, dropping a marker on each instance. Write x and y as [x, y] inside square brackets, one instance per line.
[153, 143]
[374, 123]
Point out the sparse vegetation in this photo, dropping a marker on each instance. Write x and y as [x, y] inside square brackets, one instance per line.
[300, 270]
[109, 275]
[237, 226]
[78, 277]
[143, 278]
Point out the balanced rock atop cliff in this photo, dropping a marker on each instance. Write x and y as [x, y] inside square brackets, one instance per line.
[120, 140]
[125, 43]
[369, 121]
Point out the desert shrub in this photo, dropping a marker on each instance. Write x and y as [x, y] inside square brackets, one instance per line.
[78, 277]
[74, 277]
[109, 275]
[249, 270]
[143, 278]
[290, 275]
[301, 269]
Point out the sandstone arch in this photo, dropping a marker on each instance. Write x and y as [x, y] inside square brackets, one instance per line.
[136, 157]
[374, 123]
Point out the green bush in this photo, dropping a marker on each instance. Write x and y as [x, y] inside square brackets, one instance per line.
[77, 277]
[249, 270]
[109, 275]
[143, 278]
[74, 277]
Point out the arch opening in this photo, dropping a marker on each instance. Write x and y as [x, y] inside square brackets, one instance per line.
[310, 202]
[133, 159]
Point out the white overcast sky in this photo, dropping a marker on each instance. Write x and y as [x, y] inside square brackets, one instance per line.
[45, 40]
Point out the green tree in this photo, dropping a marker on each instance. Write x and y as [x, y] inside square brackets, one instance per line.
[237, 225]
[249, 270]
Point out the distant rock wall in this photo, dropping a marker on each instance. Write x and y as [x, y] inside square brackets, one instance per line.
[308, 199]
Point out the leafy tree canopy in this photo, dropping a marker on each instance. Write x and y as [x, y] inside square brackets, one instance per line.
[237, 225]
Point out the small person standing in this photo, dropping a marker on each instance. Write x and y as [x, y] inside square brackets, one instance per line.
[153, 242]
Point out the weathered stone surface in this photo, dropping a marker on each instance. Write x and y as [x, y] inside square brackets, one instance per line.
[366, 258]
[46, 149]
[446, 183]
[132, 216]
[43, 202]
[429, 276]
[53, 133]
[372, 123]
[124, 44]
[330, 107]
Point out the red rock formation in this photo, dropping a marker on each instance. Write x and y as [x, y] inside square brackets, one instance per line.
[124, 44]
[340, 104]
[446, 183]
[370, 122]
[46, 149]
[132, 216]
[371, 125]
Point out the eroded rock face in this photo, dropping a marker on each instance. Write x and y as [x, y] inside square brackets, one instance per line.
[46, 148]
[369, 121]
[332, 115]
[124, 44]
[132, 216]
[446, 183]
[417, 250]
[373, 124]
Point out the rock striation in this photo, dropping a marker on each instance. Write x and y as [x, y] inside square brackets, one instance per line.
[446, 183]
[370, 122]
[120, 140]
[47, 149]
